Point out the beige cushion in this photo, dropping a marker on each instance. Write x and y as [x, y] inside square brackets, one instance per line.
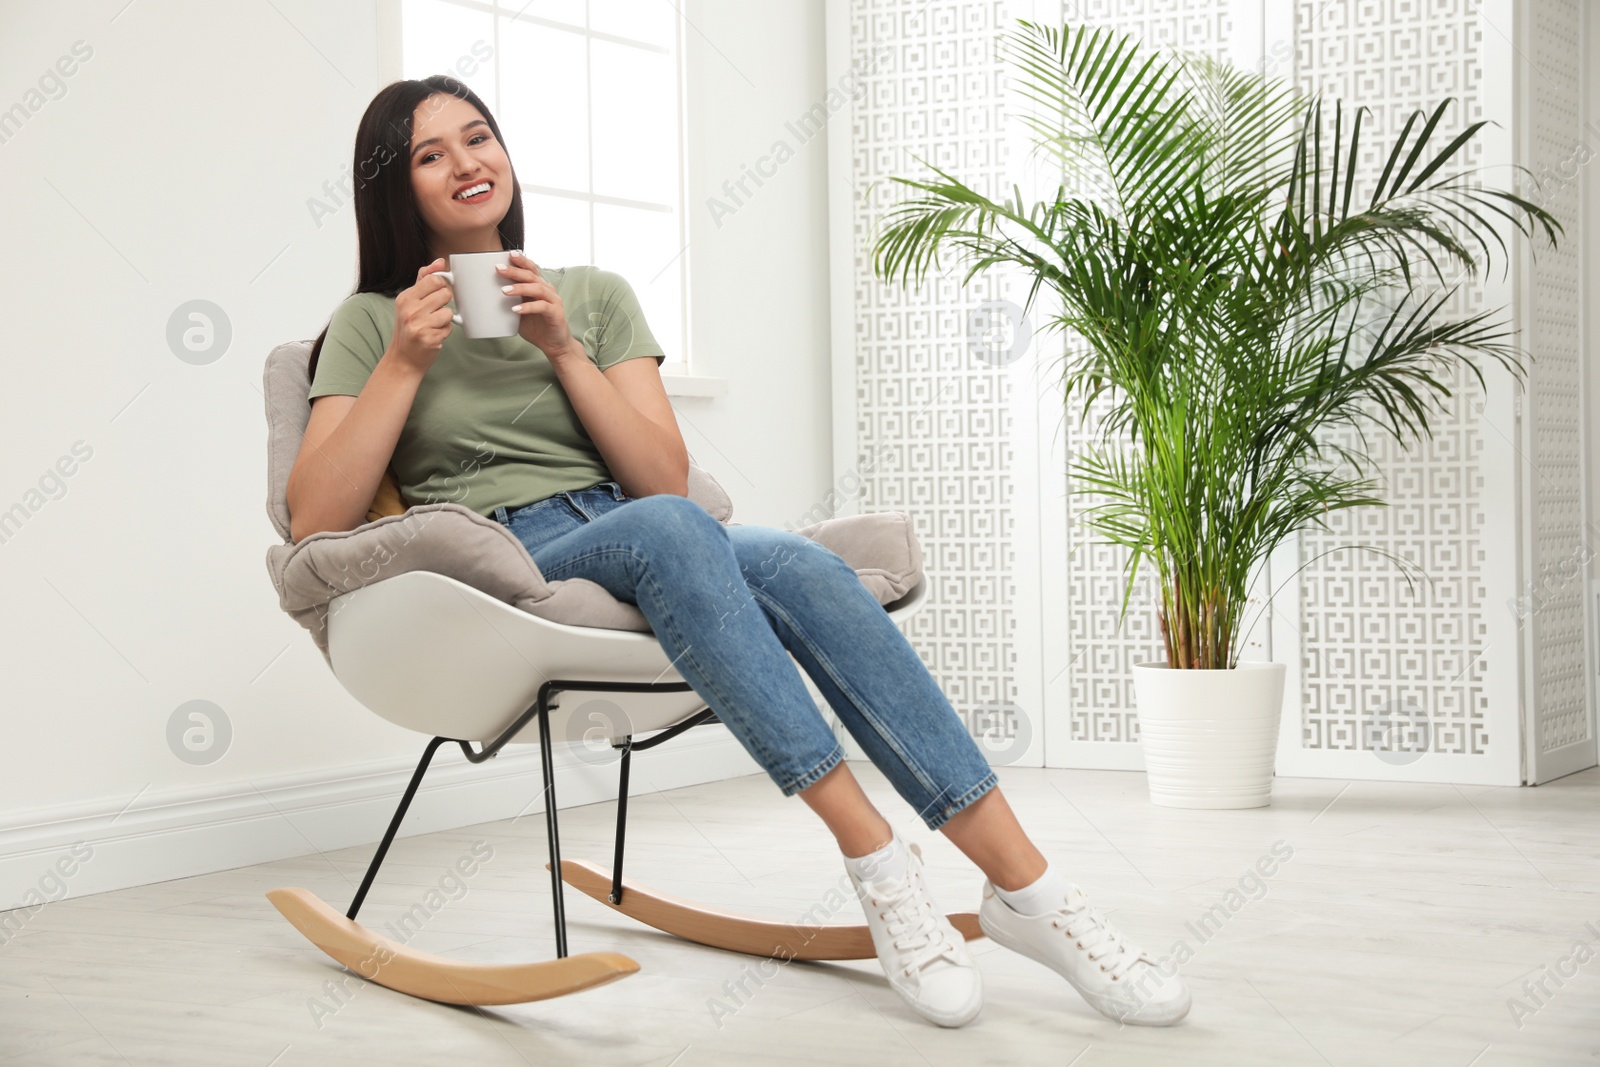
[458, 542]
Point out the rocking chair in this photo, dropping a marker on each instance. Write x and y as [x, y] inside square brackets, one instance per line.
[438, 620]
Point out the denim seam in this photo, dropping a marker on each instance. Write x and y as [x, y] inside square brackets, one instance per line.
[810, 778]
[525, 509]
[855, 698]
[766, 757]
[955, 808]
[602, 497]
[598, 550]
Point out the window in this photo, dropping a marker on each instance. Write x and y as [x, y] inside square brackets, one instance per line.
[589, 96]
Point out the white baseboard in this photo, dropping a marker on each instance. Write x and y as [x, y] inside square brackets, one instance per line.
[149, 838]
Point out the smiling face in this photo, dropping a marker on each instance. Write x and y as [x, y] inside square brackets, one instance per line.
[453, 148]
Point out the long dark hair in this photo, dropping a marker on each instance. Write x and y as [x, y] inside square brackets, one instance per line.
[389, 228]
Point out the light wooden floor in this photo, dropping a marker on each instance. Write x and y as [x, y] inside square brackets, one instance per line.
[1405, 920]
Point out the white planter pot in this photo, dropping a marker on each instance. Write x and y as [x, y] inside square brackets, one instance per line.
[1209, 737]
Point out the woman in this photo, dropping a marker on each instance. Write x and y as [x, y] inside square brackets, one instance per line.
[592, 478]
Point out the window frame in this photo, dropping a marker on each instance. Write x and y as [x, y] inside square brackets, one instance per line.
[677, 373]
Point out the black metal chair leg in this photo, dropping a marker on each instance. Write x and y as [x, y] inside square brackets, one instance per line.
[541, 709]
[548, 762]
[394, 825]
[622, 821]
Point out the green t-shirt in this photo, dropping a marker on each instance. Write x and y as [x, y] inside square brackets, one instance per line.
[491, 424]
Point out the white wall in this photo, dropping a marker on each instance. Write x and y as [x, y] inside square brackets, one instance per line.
[175, 164]
[759, 302]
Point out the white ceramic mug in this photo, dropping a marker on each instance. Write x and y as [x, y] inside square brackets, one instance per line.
[483, 310]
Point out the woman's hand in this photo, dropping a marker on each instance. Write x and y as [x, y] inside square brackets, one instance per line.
[422, 318]
[544, 317]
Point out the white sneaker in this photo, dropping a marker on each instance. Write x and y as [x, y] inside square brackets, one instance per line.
[1117, 978]
[922, 954]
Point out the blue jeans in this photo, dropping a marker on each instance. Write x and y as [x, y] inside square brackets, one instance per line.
[729, 604]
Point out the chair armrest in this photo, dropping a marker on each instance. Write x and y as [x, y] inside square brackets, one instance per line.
[445, 537]
[881, 547]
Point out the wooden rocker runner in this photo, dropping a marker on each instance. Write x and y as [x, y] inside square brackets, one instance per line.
[388, 963]
[436, 618]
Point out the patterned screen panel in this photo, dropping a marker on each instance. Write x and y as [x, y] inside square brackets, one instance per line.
[935, 436]
[925, 388]
[1554, 601]
[1382, 658]
[933, 432]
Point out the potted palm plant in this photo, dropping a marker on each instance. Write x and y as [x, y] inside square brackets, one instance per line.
[1233, 286]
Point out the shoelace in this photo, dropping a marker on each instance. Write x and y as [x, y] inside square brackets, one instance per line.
[1095, 931]
[913, 928]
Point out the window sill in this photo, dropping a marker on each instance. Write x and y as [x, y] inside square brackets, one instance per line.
[693, 385]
